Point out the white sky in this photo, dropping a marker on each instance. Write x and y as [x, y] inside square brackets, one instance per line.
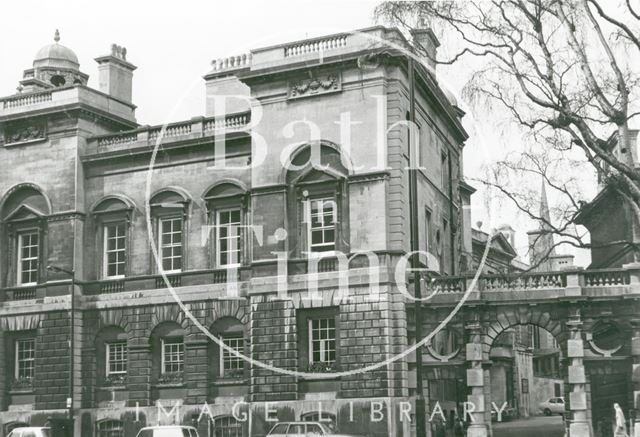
[172, 44]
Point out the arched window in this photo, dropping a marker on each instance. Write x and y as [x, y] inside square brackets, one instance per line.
[227, 210]
[167, 344]
[224, 364]
[24, 213]
[111, 356]
[226, 426]
[169, 210]
[110, 428]
[318, 207]
[113, 217]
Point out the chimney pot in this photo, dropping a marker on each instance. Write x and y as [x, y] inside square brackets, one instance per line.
[115, 74]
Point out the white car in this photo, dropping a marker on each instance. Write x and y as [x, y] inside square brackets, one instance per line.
[552, 406]
[303, 429]
[168, 431]
[30, 432]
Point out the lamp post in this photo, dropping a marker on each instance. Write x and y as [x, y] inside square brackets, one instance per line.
[72, 348]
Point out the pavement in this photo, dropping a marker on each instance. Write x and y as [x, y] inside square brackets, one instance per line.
[547, 426]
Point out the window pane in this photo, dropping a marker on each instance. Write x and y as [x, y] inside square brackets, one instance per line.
[116, 358]
[171, 243]
[110, 428]
[229, 237]
[115, 249]
[322, 224]
[314, 428]
[232, 365]
[280, 429]
[25, 358]
[323, 336]
[296, 429]
[173, 355]
[28, 257]
[227, 426]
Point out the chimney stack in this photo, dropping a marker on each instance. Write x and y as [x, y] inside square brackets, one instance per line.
[427, 40]
[115, 74]
[509, 233]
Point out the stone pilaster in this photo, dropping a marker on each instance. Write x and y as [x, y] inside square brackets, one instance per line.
[635, 375]
[139, 374]
[476, 382]
[196, 370]
[78, 334]
[577, 396]
[273, 341]
[3, 374]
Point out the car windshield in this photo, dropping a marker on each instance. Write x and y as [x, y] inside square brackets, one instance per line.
[281, 428]
[164, 432]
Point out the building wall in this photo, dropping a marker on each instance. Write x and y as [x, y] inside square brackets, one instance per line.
[78, 167]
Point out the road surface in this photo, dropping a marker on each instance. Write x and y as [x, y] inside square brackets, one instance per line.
[532, 427]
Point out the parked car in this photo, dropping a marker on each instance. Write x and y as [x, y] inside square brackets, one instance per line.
[552, 406]
[31, 431]
[168, 431]
[303, 429]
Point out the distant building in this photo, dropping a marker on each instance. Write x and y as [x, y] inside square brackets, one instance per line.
[543, 256]
[502, 257]
[614, 231]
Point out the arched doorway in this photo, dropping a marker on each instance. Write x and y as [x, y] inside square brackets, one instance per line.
[526, 382]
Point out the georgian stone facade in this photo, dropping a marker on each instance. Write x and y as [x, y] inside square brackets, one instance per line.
[314, 160]
[73, 196]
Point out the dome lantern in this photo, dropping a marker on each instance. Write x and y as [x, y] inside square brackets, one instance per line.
[54, 66]
[56, 55]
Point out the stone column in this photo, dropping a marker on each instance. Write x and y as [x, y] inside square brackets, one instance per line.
[475, 381]
[635, 375]
[579, 424]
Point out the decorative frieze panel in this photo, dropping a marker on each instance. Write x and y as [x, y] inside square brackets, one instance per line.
[25, 133]
[317, 85]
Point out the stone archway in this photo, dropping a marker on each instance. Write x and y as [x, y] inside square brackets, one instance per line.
[564, 325]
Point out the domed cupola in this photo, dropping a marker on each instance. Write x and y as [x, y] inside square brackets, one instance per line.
[56, 55]
[54, 66]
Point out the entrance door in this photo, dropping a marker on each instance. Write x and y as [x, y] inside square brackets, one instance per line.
[605, 391]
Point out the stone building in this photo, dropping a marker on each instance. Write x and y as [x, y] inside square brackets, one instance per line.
[232, 226]
[609, 217]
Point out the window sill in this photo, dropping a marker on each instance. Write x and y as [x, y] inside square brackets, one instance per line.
[230, 381]
[169, 385]
[119, 387]
[22, 391]
[319, 378]
[228, 266]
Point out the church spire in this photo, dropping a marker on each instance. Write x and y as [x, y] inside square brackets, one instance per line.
[545, 216]
[541, 244]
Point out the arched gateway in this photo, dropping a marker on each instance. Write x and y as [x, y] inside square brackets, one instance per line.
[594, 317]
